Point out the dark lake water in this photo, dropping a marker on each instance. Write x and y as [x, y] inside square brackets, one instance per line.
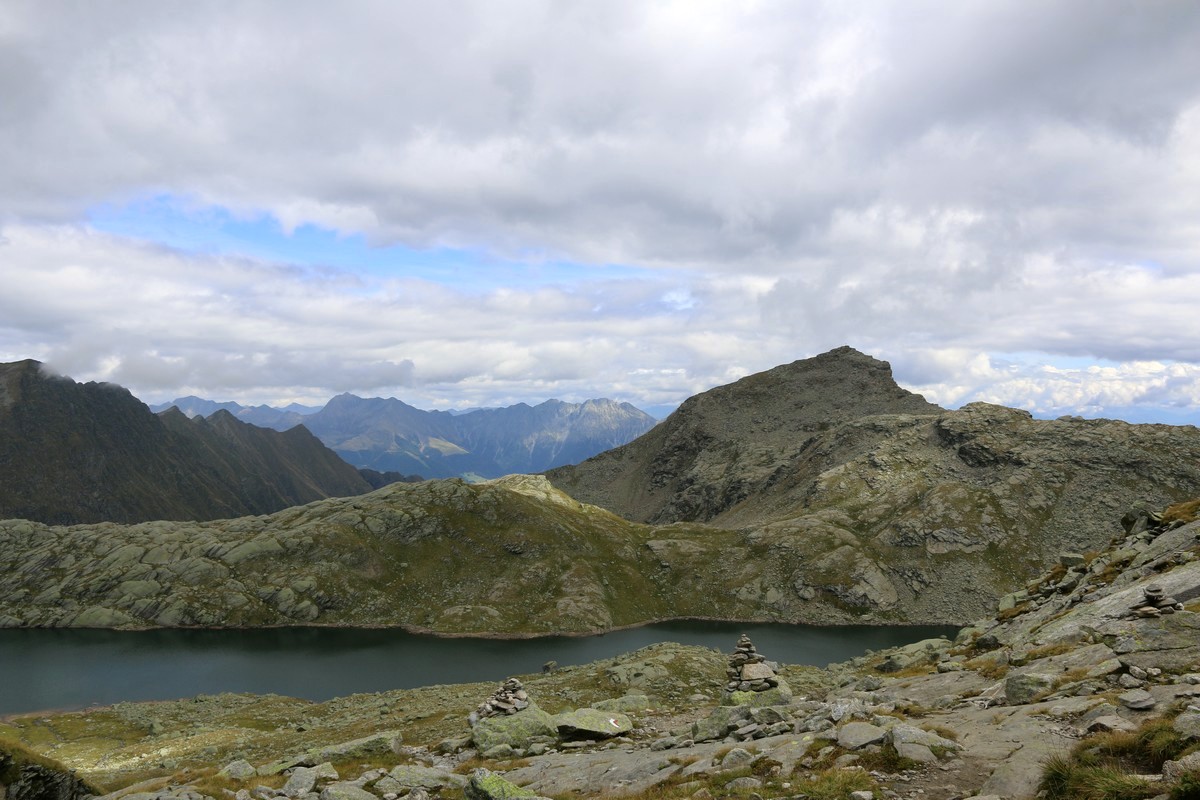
[66, 669]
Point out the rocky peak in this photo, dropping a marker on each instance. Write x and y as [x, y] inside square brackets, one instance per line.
[719, 445]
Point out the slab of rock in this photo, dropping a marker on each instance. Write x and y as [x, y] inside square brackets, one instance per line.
[1110, 722]
[377, 744]
[854, 735]
[486, 785]
[904, 734]
[410, 776]
[238, 770]
[591, 723]
[916, 752]
[630, 702]
[346, 791]
[1137, 700]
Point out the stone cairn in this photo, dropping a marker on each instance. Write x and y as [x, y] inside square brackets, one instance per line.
[1156, 602]
[748, 670]
[508, 699]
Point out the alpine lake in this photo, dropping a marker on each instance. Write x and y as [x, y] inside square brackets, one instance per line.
[61, 669]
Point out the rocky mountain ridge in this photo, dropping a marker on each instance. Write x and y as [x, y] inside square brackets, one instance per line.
[75, 453]
[390, 435]
[889, 497]
[1072, 690]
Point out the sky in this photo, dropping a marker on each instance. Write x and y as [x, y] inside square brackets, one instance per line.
[467, 204]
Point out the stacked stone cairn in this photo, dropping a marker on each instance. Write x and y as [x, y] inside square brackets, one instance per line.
[748, 671]
[1157, 602]
[507, 700]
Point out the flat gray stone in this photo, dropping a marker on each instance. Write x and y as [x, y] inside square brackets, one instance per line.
[1137, 699]
[854, 735]
[346, 791]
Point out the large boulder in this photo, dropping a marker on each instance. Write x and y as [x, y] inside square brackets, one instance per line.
[855, 735]
[1024, 687]
[518, 731]
[486, 785]
[1187, 725]
[720, 723]
[411, 776]
[591, 723]
[346, 791]
[377, 744]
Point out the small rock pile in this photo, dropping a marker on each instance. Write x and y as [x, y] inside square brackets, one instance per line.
[1157, 602]
[508, 699]
[748, 670]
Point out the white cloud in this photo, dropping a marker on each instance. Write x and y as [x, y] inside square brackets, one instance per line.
[914, 179]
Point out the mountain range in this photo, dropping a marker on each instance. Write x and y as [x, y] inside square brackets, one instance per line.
[389, 435]
[73, 453]
[818, 491]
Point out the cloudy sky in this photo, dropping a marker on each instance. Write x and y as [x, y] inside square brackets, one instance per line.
[463, 204]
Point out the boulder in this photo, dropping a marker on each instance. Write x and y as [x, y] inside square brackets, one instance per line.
[518, 731]
[238, 770]
[410, 776]
[720, 723]
[377, 744]
[486, 785]
[1172, 770]
[346, 791]
[1187, 725]
[1110, 722]
[301, 781]
[855, 735]
[591, 723]
[903, 734]
[1024, 687]
[738, 757]
[1137, 700]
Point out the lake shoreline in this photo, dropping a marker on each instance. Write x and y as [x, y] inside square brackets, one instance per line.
[59, 668]
[419, 630]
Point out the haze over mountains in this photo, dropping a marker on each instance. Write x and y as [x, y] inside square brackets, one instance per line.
[389, 435]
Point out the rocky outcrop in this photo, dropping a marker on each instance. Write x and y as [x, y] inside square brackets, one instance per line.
[25, 775]
[733, 442]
